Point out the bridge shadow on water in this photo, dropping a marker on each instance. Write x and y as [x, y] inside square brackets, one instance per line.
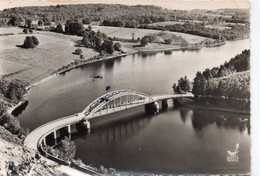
[114, 127]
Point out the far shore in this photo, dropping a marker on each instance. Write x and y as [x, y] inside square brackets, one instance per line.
[127, 47]
[131, 51]
[215, 108]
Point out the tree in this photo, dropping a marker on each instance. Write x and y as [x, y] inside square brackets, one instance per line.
[144, 41]
[214, 72]
[117, 46]
[89, 27]
[59, 28]
[108, 46]
[86, 21]
[98, 41]
[40, 23]
[133, 36]
[28, 23]
[207, 74]
[68, 149]
[184, 84]
[74, 28]
[35, 41]
[10, 123]
[85, 41]
[25, 30]
[30, 42]
[14, 21]
[199, 84]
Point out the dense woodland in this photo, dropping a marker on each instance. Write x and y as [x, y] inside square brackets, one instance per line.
[235, 32]
[11, 92]
[228, 84]
[137, 16]
[120, 15]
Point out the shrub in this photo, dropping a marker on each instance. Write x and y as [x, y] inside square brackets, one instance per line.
[59, 28]
[144, 41]
[12, 90]
[78, 51]
[117, 46]
[30, 42]
[40, 23]
[168, 41]
[68, 149]
[10, 123]
[35, 41]
[25, 30]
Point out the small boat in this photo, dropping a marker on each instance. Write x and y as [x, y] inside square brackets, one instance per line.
[108, 88]
[97, 76]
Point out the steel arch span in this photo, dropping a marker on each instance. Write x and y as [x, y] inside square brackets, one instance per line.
[115, 101]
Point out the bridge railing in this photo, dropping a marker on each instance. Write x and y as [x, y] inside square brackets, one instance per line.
[117, 93]
[47, 124]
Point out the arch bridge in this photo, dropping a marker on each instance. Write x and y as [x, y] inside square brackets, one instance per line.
[116, 101]
[108, 103]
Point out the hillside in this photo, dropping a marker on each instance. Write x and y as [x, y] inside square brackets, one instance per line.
[117, 14]
[18, 160]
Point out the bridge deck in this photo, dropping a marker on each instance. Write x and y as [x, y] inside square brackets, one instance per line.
[33, 138]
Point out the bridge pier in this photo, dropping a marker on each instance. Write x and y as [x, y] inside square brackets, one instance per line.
[69, 131]
[164, 104]
[152, 108]
[87, 125]
[55, 137]
[177, 102]
[44, 141]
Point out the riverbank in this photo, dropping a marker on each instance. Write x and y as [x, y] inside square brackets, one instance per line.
[215, 108]
[127, 49]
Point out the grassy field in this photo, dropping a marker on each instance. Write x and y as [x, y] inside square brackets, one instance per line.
[55, 50]
[220, 27]
[32, 65]
[14, 30]
[126, 33]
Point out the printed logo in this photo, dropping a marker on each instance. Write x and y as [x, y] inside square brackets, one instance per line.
[233, 156]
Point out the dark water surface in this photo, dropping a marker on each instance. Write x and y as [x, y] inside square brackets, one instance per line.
[175, 141]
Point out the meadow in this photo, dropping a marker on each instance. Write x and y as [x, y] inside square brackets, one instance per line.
[32, 65]
[126, 33]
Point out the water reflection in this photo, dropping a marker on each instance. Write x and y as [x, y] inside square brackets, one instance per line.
[203, 118]
[147, 54]
[167, 52]
[115, 131]
[19, 110]
[186, 114]
[109, 64]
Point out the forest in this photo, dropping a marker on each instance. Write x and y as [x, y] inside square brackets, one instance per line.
[235, 32]
[119, 15]
[228, 84]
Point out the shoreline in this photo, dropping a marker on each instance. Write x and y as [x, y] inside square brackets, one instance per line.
[216, 108]
[84, 62]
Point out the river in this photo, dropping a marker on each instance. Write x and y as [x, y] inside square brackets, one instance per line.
[178, 140]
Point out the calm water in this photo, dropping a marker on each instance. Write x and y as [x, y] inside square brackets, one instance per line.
[175, 141]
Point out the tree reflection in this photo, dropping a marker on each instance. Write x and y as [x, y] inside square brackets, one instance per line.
[203, 118]
[19, 110]
[146, 54]
[185, 114]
